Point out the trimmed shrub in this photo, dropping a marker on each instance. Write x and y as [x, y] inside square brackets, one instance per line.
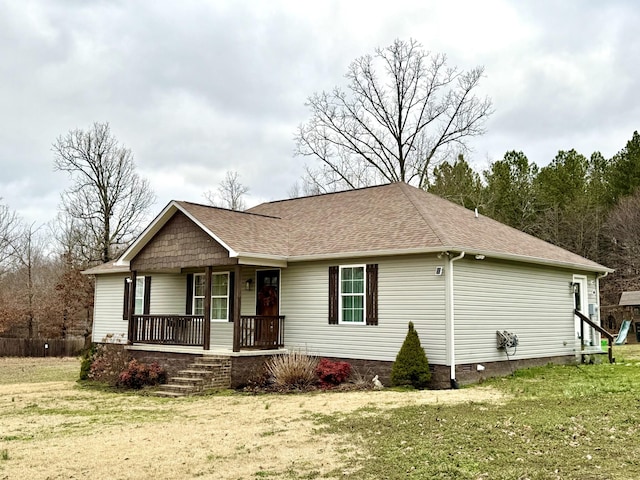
[332, 373]
[294, 370]
[138, 375]
[411, 366]
[109, 360]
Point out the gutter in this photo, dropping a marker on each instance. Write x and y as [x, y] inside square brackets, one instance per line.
[451, 343]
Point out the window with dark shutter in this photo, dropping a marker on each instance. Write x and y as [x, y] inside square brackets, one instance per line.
[189, 307]
[125, 309]
[372, 294]
[353, 294]
[231, 295]
[146, 304]
[333, 295]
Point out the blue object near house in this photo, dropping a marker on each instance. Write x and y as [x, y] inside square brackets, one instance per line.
[622, 334]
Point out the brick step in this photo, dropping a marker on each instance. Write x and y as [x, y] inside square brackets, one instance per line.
[167, 394]
[172, 387]
[205, 373]
[195, 381]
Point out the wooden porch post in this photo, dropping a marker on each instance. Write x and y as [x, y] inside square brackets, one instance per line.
[207, 308]
[131, 307]
[237, 289]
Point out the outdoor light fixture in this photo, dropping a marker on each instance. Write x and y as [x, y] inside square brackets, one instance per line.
[248, 283]
[573, 287]
[480, 257]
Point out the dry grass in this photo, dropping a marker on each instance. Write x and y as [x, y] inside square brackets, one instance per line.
[53, 429]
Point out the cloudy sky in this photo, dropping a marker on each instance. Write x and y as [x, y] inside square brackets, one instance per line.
[196, 88]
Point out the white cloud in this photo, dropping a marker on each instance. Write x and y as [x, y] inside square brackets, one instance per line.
[198, 88]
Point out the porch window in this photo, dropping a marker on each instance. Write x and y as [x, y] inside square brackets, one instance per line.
[140, 294]
[142, 300]
[219, 295]
[353, 294]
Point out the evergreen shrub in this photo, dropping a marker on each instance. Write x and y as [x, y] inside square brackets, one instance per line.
[411, 366]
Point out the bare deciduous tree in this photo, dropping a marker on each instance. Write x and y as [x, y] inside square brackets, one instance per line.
[230, 193]
[9, 227]
[27, 257]
[403, 110]
[108, 198]
[623, 229]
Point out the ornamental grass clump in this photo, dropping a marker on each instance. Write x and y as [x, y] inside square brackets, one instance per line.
[293, 370]
[411, 367]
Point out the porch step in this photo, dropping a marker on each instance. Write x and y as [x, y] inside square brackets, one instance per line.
[206, 373]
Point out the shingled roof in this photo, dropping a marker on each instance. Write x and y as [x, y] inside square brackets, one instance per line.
[400, 218]
[384, 220]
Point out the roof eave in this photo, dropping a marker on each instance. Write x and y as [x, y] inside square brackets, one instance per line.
[470, 251]
[114, 268]
[263, 260]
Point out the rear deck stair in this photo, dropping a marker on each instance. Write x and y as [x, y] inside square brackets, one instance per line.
[206, 373]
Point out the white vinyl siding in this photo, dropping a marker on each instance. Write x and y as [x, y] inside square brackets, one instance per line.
[168, 294]
[534, 302]
[408, 290]
[108, 308]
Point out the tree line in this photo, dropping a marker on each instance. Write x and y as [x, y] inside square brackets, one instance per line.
[405, 114]
[587, 205]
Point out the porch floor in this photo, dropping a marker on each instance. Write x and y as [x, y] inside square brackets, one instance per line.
[214, 351]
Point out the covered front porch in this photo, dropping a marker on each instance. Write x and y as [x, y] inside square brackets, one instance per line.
[223, 307]
[254, 331]
[187, 287]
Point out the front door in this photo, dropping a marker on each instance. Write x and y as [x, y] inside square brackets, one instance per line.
[267, 307]
[268, 296]
[581, 303]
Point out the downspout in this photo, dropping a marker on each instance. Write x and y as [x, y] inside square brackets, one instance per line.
[451, 323]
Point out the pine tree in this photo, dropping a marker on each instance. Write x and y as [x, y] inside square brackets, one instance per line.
[411, 366]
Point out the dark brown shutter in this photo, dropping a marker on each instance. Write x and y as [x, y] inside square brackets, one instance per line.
[372, 294]
[147, 296]
[232, 295]
[333, 295]
[125, 309]
[189, 307]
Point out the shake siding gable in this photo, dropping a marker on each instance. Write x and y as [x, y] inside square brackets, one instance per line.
[180, 242]
[408, 290]
[531, 301]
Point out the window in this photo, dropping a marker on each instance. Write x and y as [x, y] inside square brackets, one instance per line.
[142, 298]
[353, 294]
[139, 303]
[352, 305]
[219, 295]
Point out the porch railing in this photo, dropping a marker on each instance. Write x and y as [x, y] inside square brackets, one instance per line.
[261, 331]
[584, 319]
[187, 330]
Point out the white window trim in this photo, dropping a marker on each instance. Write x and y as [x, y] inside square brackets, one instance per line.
[140, 285]
[364, 295]
[193, 303]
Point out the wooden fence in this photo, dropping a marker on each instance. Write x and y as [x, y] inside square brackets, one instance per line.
[41, 347]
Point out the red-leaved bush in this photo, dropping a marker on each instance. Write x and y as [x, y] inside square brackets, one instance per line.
[332, 373]
[138, 375]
